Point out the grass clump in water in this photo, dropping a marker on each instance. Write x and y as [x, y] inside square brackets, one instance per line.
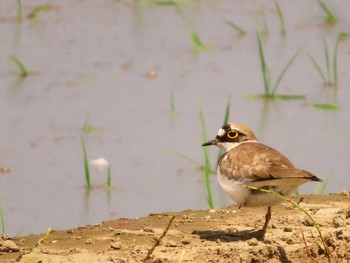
[269, 88]
[196, 41]
[86, 165]
[236, 27]
[109, 177]
[326, 106]
[20, 66]
[33, 15]
[326, 76]
[331, 17]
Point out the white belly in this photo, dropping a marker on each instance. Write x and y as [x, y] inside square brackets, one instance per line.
[243, 196]
[234, 189]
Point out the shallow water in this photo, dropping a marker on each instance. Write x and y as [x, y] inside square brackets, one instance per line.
[89, 62]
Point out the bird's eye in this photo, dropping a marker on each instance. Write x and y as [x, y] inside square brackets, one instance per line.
[232, 134]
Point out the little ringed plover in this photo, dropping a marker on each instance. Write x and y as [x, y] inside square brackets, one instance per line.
[247, 162]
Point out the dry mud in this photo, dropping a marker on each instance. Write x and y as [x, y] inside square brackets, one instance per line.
[216, 235]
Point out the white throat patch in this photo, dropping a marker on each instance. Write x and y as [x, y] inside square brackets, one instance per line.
[226, 146]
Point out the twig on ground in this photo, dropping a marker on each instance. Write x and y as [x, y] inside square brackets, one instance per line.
[158, 240]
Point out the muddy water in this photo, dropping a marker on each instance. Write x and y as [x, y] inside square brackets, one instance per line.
[93, 62]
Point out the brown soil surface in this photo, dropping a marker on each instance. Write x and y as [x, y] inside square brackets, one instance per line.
[220, 235]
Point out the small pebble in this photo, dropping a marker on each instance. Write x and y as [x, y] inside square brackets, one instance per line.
[88, 241]
[287, 229]
[116, 245]
[307, 222]
[338, 222]
[345, 192]
[171, 243]
[347, 212]
[8, 246]
[148, 229]
[185, 241]
[252, 242]
[289, 241]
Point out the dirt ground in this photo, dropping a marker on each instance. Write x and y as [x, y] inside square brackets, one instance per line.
[216, 235]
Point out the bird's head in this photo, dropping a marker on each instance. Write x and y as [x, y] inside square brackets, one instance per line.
[231, 135]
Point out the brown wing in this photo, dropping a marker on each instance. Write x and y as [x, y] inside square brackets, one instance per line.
[254, 161]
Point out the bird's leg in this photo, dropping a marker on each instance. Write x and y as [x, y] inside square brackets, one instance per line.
[267, 220]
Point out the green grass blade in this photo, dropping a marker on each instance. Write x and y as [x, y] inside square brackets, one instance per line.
[109, 177]
[335, 62]
[19, 11]
[240, 30]
[21, 67]
[86, 165]
[266, 28]
[33, 15]
[335, 55]
[2, 220]
[262, 26]
[289, 97]
[206, 157]
[268, 77]
[196, 41]
[326, 55]
[331, 16]
[276, 96]
[202, 121]
[166, 3]
[281, 75]
[207, 182]
[281, 18]
[326, 106]
[343, 35]
[318, 68]
[173, 111]
[321, 187]
[264, 69]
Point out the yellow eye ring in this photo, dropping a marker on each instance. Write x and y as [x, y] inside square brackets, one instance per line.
[232, 134]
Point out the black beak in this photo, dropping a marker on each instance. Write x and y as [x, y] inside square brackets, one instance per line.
[211, 142]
